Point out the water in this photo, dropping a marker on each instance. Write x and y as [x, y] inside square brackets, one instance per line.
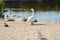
[40, 16]
[48, 16]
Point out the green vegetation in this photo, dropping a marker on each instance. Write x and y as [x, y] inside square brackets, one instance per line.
[38, 5]
[42, 5]
[1, 7]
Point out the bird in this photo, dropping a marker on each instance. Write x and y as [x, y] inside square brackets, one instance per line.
[24, 19]
[39, 34]
[35, 20]
[32, 18]
[6, 25]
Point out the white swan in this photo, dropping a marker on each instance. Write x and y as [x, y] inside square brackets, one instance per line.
[32, 17]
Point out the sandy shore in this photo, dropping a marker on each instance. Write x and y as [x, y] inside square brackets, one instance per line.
[24, 31]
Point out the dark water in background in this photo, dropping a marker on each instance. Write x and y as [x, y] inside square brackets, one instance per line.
[40, 16]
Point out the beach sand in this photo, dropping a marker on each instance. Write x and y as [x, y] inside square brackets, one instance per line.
[19, 30]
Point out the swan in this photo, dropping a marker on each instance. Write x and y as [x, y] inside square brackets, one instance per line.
[32, 18]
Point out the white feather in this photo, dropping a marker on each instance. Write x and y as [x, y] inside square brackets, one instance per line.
[31, 19]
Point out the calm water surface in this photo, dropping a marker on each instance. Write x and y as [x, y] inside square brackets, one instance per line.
[40, 16]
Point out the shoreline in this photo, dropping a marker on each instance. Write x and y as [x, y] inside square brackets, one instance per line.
[24, 31]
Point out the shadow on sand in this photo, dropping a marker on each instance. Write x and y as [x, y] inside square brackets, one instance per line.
[38, 24]
[44, 39]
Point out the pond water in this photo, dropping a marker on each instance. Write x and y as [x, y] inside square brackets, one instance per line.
[40, 16]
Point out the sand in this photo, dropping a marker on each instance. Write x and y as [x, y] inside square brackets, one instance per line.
[19, 30]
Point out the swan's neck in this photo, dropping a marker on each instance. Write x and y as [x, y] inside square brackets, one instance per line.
[33, 13]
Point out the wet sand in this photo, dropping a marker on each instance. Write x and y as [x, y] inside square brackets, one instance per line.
[24, 31]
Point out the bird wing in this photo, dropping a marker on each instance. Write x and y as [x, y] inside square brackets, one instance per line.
[31, 18]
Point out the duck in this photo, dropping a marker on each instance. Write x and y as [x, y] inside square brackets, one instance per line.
[24, 19]
[6, 25]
